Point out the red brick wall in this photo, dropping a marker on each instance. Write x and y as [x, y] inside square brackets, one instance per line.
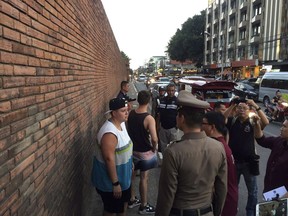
[59, 66]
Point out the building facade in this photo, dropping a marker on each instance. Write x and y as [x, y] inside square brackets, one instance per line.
[242, 36]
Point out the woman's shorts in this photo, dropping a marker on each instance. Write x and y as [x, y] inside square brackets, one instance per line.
[113, 205]
[144, 160]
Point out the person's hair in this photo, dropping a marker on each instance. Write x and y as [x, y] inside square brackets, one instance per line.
[278, 91]
[171, 85]
[217, 119]
[144, 97]
[193, 117]
[124, 83]
[218, 104]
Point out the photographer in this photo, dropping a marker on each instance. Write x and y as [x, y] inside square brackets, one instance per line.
[277, 164]
[241, 142]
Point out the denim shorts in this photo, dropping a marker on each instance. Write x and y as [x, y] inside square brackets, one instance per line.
[144, 164]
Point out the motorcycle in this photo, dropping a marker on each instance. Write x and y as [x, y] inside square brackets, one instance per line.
[282, 111]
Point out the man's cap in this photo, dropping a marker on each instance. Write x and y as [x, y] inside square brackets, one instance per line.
[161, 88]
[116, 103]
[186, 99]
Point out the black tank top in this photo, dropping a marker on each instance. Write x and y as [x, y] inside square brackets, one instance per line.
[138, 134]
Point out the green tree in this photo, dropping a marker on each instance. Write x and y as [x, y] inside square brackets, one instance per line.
[188, 42]
[125, 57]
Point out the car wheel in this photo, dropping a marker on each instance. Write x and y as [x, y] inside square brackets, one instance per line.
[266, 101]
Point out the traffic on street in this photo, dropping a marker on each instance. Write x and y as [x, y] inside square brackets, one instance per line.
[273, 129]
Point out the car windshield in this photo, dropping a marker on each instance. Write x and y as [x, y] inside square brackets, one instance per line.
[218, 94]
[164, 79]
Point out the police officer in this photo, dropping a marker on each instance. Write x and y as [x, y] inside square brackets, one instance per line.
[193, 179]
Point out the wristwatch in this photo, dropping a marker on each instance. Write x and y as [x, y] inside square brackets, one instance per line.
[259, 108]
[115, 183]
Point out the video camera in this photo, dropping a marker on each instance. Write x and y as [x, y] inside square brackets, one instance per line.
[239, 100]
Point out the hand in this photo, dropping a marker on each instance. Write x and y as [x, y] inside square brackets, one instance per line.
[256, 119]
[250, 102]
[117, 191]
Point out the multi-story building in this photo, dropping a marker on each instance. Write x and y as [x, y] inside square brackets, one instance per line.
[244, 35]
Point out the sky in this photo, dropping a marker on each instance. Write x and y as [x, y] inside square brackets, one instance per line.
[143, 28]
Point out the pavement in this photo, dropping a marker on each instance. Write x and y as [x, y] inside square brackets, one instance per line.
[94, 205]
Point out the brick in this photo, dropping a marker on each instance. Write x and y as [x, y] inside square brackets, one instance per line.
[8, 202]
[14, 58]
[34, 4]
[26, 173]
[40, 27]
[2, 194]
[45, 72]
[5, 107]
[23, 49]
[34, 61]
[47, 121]
[23, 102]
[8, 118]
[7, 94]
[20, 26]
[39, 44]
[13, 185]
[25, 19]
[6, 20]
[5, 45]
[6, 70]
[19, 147]
[19, 4]
[6, 167]
[9, 10]
[25, 153]
[27, 91]
[3, 156]
[23, 123]
[24, 39]
[4, 180]
[24, 71]
[9, 82]
[11, 34]
[20, 167]
[4, 132]
[32, 13]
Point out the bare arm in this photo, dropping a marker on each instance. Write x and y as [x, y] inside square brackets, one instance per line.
[150, 125]
[108, 146]
[258, 133]
[263, 119]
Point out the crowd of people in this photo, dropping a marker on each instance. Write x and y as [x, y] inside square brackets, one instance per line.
[200, 172]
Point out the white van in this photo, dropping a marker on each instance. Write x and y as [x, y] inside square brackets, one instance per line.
[270, 83]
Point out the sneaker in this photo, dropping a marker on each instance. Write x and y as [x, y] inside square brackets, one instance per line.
[134, 203]
[148, 209]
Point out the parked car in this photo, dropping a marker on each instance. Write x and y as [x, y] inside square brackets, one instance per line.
[244, 90]
[254, 82]
[142, 78]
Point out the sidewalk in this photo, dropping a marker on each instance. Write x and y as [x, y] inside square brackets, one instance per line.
[94, 205]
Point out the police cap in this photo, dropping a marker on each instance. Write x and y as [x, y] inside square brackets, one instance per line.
[186, 99]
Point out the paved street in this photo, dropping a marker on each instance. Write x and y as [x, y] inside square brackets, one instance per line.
[95, 207]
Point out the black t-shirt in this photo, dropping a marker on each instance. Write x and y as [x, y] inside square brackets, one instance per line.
[168, 112]
[241, 139]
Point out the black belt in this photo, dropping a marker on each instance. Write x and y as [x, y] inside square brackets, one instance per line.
[191, 212]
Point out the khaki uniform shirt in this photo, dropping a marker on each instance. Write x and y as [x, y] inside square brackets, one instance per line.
[193, 175]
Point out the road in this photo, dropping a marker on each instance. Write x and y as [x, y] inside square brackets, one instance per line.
[94, 207]
[272, 129]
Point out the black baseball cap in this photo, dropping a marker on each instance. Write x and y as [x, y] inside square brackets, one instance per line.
[116, 103]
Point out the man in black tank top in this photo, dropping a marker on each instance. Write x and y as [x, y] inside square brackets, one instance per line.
[142, 131]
